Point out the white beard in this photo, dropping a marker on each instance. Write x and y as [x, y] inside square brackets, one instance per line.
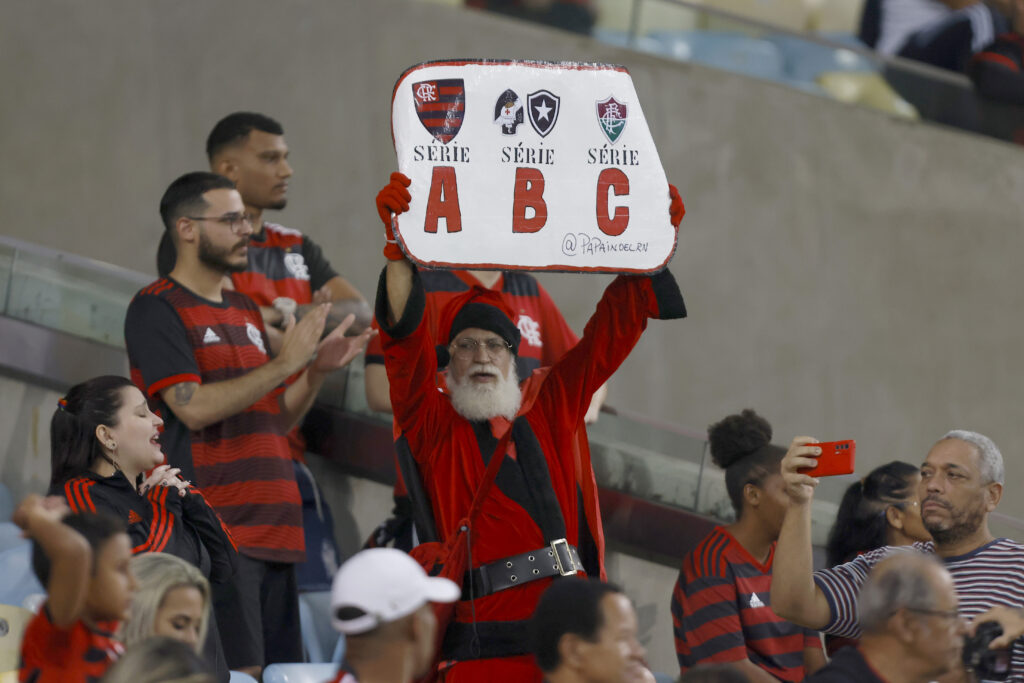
[483, 401]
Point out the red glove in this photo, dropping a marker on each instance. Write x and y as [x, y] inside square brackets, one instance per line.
[676, 210]
[393, 199]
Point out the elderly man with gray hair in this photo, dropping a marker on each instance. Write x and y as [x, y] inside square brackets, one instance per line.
[961, 484]
[911, 628]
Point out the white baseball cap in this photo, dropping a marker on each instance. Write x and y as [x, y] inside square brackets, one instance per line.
[384, 584]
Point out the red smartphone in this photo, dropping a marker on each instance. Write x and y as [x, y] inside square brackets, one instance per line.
[836, 458]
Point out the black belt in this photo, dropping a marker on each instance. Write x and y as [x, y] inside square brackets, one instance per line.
[555, 559]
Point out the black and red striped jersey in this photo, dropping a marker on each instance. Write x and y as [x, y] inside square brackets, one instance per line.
[241, 464]
[78, 654]
[545, 334]
[161, 521]
[283, 262]
[721, 611]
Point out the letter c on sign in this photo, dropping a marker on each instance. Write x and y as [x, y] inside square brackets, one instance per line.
[617, 182]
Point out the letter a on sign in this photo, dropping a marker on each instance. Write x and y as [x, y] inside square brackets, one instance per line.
[443, 201]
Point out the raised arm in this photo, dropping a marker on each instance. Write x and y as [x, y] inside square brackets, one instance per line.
[794, 594]
[68, 551]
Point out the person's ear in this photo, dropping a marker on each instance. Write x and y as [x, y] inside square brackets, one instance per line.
[186, 229]
[105, 438]
[993, 493]
[225, 165]
[752, 494]
[903, 626]
[894, 517]
[570, 651]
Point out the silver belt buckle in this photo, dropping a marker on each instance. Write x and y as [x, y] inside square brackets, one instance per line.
[558, 559]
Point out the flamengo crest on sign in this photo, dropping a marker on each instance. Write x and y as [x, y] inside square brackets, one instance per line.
[441, 106]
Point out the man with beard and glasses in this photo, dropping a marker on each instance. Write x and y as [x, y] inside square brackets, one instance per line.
[533, 519]
[199, 352]
[961, 484]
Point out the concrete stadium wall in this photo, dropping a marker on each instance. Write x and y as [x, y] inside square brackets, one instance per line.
[848, 274]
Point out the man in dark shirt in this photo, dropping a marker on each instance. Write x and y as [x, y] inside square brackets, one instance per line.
[912, 629]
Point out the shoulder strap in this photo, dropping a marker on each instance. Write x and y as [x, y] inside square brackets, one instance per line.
[492, 471]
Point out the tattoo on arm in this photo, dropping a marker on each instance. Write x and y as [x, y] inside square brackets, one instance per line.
[183, 392]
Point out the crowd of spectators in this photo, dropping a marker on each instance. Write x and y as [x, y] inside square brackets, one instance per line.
[173, 535]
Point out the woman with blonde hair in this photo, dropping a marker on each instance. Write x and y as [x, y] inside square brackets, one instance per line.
[173, 600]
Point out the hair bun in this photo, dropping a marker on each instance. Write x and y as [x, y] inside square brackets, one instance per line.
[737, 436]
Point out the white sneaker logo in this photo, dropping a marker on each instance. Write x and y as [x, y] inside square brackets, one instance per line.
[210, 337]
[755, 601]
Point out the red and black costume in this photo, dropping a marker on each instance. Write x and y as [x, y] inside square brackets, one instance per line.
[535, 506]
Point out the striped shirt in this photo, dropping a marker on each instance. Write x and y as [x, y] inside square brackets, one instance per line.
[283, 262]
[721, 611]
[242, 464]
[986, 577]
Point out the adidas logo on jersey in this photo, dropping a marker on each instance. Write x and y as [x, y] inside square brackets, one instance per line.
[210, 337]
[755, 601]
[133, 517]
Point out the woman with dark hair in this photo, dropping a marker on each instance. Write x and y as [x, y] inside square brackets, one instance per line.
[880, 509]
[721, 605]
[103, 439]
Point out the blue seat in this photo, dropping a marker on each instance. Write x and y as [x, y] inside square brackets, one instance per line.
[6, 504]
[299, 673]
[10, 536]
[804, 60]
[20, 585]
[725, 50]
[239, 677]
[319, 639]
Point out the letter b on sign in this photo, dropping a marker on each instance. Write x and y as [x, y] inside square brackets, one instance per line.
[529, 193]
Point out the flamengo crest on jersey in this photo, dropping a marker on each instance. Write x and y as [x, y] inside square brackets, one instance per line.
[441, 106]
[255, 336]
[296, 265]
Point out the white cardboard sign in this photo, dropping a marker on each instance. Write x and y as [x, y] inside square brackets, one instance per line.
[529, 165]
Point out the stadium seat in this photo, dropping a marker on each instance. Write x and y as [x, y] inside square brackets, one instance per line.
[6, 504]
[10, 535]
[728, 51]
[12, 627]
[239, 677]
[19, 586]
[318, 636]
[299, 673]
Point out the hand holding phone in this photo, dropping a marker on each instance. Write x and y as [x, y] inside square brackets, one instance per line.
[836, 458]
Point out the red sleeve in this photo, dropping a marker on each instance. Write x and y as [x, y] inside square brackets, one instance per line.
[705, 620]
[609, 336]
[411, 363]
[375, 347]
[558, 336]
[158, 345]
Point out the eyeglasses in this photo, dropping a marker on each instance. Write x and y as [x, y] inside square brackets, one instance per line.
[466, 347]
[235, 221]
